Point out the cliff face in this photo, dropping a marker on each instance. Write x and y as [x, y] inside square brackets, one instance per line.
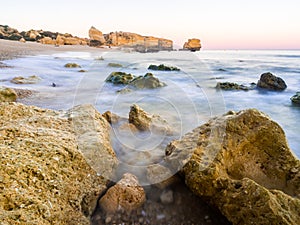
[139, 42]
[192, 44]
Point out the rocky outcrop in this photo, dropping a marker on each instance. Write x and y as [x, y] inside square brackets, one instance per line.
[26, 80]
[234, 86]
[271, 82]
[96, 37]
[296, 98]
[162, 67]
[120, 78]
[7, 95]
[126, 195]
[48, 177]
[148, 81]
[139, 42]
[192, 45]
[241, 163]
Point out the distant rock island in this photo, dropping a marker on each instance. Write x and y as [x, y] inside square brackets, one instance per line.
[96, 38]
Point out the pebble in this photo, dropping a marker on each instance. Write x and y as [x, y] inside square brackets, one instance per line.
[166, 197]
[108, 219]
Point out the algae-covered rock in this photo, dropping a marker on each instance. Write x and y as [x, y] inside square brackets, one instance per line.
[234, 86]
[72, 65]
[271, 82]
[26, 80]
[148, 81]
[296, 98]
[7, 95]
[163, 67]
[120, 78]
[117, 65]
[45, 176]
[241, 163]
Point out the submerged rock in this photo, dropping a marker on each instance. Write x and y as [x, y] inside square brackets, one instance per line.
[271, 82]
[126, 195]
[26, 80]
[296, 98]
[7, 95]
[234, 86]
[241, 163]
[162, 67]
[72, 65]
[148, 81]
[114, 65]
[47, 178]
[120, 78]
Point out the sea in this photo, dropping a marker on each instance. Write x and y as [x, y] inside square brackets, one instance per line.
[189, 99]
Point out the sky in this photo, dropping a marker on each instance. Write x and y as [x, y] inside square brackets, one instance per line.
[230, 24]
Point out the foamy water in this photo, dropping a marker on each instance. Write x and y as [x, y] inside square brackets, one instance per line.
[189, 100]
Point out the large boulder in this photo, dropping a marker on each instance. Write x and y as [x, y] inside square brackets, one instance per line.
[271, 82]
[96, 37]
[192, 44]
[241, 163]
[46, 175]
[7, 95]
[126, 195]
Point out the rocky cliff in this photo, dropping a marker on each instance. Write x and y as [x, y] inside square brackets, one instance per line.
[192, 44]
[241, 163]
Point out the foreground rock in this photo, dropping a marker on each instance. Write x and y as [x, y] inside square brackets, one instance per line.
[126, 195]
[148, 81]
[7, 95]
[234, 86]
[271, 82]
[192, 45]
[26, 80]
[296, 98]
[162, 67]
[46, 177]
[120, 78]
[241, 163]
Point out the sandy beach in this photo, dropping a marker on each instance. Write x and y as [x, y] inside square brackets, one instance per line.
[13, 49]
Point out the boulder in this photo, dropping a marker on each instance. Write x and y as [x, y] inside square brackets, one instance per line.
[271, 82]
[7, 95]
[111, 117]
[162, 67]
[296, 98]
[146, 122]
[114, 65]
[148, 81]
[241, 163]
[26, 80]
[72, 65]
[120, 78]
[22, 40]
[47, 177]
[126, 195]
[47, 41]
[96, 37]
[234, 86]
[192, 45]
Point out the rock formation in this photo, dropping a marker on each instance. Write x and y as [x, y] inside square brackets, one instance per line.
[241, 163]
[126, 195]
[234, 86]
[7, 95]
[26, 80]
[148, 81]
[271, 82]
[46, 172]
[296, 98]
[96, 37]
[162, 67]
[192, 45]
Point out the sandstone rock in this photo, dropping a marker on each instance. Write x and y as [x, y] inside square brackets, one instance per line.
[114, 65]
[120, 78]
[162, 67]
[234, 86]
[148, 81]
[47, 41]
[96, 37]
[271, 82]
[22, 40]
[46, 179]
[7, 95]
[296, 98]
[126, 195]
[146, 122]
[23, 80]
[241, 163]
[111, 117]
[192, 44]
[72, 65]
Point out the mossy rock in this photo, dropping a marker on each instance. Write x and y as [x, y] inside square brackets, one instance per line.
[120, 78]
[296, 98]
[116, 65]
[148, 81]
[7, 95]
[162, 67]
[72, 65]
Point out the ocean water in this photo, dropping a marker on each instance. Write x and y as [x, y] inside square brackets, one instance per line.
[189, 99]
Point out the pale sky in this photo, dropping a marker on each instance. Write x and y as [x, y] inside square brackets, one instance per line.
[227, 24]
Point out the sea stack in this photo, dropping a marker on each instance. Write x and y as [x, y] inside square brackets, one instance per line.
[193, 45]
